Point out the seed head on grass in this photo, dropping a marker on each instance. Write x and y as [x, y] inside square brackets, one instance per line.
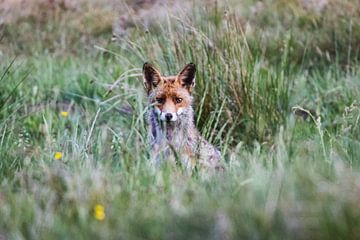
[99, 212]
[58, 155]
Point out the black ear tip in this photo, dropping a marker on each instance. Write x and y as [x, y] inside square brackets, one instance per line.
[146, 64]
[192, 65]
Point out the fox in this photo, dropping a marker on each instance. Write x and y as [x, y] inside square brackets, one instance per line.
[172, 133]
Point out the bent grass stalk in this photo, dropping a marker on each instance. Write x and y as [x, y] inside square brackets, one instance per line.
[317, 121]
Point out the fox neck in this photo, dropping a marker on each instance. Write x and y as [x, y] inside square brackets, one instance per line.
[175, 133]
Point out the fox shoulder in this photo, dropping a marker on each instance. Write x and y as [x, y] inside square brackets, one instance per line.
[209, 156]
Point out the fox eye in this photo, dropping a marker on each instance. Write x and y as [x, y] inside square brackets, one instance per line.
[178, 100]
[160, 100]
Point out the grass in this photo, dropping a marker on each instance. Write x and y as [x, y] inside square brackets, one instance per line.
[285, 117]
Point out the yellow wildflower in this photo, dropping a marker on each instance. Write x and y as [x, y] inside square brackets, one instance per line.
[99, 212]
[64, 113]
[58, 155]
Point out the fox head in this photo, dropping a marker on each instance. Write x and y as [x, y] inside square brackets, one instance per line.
[170, 96]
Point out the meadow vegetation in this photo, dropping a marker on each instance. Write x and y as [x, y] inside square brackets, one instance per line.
[277, 91]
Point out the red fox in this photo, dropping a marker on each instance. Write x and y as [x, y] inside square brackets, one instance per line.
[173, 135]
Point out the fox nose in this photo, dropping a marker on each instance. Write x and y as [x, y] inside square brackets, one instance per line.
[168, 116]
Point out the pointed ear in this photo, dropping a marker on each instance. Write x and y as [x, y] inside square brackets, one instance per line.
[187, 76]
[151, 76]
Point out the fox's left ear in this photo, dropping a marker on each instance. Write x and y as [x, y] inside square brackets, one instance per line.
[151, 76]
[187, 76]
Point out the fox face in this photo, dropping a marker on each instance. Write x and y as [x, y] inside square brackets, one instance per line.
[170, 96]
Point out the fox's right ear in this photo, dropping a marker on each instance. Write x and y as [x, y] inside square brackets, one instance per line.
[151, 76]
[187, 76]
